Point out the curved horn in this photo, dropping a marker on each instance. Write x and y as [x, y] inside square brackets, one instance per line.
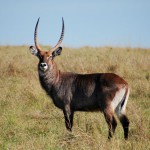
[35, 36]
[61, 37]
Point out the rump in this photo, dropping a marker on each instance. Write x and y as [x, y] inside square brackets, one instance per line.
[120, 101]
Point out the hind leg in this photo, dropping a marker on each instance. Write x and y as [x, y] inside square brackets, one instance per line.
[125, 124]
[111, 121]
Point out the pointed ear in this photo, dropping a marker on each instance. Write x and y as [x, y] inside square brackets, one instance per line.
[33, 50]
[56, 52]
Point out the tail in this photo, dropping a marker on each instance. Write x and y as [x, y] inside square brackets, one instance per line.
[121, 107]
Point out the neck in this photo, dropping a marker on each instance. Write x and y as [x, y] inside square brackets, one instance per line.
[49, 78]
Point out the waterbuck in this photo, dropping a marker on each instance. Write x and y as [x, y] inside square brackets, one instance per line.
[105, 92]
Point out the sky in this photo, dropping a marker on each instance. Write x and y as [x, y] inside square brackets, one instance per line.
[122, 23]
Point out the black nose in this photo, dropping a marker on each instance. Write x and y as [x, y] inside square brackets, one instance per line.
[43, 64]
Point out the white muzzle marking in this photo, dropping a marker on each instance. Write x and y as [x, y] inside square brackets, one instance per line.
[43, 66]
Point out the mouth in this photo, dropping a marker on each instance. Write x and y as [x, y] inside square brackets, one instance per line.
[44, 68]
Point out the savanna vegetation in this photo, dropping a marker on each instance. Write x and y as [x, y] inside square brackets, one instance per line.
[30, 121]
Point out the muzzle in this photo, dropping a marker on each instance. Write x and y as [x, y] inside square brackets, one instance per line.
[43, 66]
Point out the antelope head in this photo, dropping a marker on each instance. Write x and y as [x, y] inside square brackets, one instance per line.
[46, 57]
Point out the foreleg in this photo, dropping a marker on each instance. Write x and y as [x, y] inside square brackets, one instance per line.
[68, 115]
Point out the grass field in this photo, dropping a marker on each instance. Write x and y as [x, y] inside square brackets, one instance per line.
[30, 121]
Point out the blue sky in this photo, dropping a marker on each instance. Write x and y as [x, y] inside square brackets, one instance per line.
[87, 22]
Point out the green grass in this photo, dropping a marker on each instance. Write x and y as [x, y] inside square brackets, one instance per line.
[29, 119]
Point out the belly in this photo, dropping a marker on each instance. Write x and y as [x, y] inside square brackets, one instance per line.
[86, 105]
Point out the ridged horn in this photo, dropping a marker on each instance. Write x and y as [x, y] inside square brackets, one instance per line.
[61, 37]
[35, 36]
